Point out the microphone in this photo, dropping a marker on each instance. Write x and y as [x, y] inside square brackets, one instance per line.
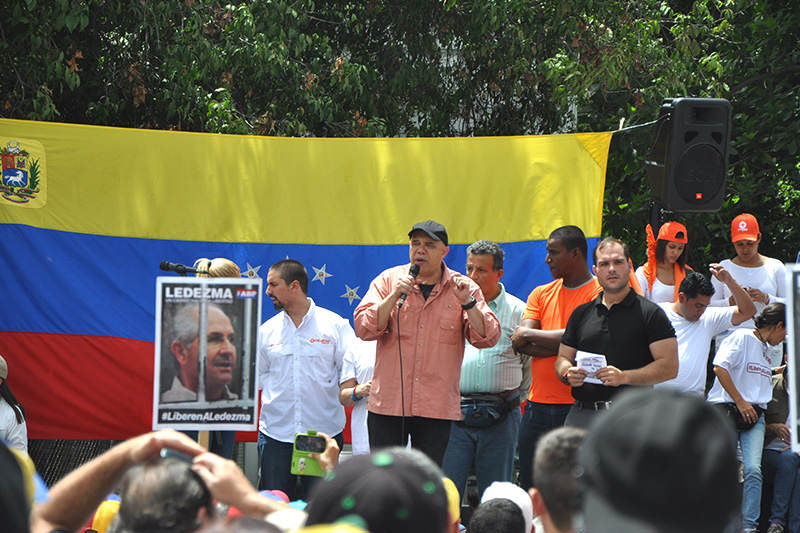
[414, 270]
[179, 268]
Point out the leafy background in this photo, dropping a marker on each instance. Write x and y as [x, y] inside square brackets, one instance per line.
[427, 68]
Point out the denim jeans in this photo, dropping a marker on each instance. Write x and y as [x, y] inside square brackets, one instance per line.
[491, 448]
[784, 467]
[539, 418]
[752, 443]
[276, 464]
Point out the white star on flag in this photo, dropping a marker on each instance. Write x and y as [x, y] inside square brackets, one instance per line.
[252, 272]
[351, 294]
[320, 274]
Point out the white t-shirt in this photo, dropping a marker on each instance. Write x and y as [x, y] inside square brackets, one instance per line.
[769, 278]
[694, 342]
[11, 431]
[747, 361]
[661, 292]
[359, 363]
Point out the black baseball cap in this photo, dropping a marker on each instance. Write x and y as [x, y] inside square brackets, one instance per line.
[660, 462]
[434, 230]
[394, 490]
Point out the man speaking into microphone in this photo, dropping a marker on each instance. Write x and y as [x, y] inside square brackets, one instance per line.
[420, 324]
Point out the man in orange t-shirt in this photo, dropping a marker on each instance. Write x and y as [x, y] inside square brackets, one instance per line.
[548, 309]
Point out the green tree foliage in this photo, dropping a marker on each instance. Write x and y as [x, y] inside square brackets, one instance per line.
[745, 51]
[428, 68]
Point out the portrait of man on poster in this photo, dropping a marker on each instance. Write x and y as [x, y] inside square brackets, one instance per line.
[184, 346]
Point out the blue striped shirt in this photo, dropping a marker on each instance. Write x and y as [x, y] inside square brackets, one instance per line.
[496, 369]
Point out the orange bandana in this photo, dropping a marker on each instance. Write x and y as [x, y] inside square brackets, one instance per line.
[650, 268]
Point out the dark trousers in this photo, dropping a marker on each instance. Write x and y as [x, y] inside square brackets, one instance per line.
[539, 418]
[276, 464]
[784, 468]
[428, 435]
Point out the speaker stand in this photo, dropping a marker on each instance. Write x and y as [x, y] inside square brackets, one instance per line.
[659, 215]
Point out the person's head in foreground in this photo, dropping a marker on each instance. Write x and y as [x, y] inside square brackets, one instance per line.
[162, 495]
[660, 462]
[14, 506]
[557, 495]
[497, 516]
[394, 490]
[453, 504]
[240, 524]
[504, 508]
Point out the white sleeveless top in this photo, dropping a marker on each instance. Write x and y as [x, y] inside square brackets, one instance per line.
[661, 293]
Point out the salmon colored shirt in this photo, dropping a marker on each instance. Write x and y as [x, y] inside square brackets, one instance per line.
[551, 305]
[432, 334]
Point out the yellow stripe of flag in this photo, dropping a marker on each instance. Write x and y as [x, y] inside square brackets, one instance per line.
[206, 187]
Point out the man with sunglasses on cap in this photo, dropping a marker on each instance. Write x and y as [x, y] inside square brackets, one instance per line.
[420, 323]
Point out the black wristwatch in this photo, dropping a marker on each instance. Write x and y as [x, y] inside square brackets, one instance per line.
[467, 307]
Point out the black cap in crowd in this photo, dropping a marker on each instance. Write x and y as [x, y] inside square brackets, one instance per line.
[660, 462]
[434, 230]
[394, 490]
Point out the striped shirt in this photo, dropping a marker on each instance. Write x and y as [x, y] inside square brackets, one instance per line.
[496, 369]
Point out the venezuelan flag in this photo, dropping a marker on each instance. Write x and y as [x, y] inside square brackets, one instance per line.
[83, 235]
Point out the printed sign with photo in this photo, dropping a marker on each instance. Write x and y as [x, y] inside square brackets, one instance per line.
[205, 353]
[793, 349]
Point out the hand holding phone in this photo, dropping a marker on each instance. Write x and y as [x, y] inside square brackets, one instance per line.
[306, 444]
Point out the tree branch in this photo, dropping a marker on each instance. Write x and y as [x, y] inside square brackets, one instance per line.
[755, 79]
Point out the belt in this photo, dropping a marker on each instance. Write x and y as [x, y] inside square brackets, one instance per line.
[593, 406]
[505, 395]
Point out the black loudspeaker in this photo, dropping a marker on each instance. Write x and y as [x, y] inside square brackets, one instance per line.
[688, 164]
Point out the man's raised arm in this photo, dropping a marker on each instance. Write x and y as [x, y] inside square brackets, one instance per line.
[74, 498]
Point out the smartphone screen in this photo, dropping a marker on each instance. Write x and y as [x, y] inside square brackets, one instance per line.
[308, 443]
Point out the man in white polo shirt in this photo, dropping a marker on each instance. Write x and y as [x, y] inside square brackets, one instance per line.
[300, 358]
[696, 323]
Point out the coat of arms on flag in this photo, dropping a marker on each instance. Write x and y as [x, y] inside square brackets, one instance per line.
[23, 173]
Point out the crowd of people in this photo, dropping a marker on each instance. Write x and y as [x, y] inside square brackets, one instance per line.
[622, 428]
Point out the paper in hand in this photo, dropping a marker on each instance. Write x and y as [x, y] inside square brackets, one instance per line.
[591, 363]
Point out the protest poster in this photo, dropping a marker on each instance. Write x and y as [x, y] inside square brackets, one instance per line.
[205, 353]
[793, 349]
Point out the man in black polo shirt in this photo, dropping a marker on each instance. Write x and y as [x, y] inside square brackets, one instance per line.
[616, 340]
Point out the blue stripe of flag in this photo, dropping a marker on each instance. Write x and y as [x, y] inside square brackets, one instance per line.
[62, 282]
